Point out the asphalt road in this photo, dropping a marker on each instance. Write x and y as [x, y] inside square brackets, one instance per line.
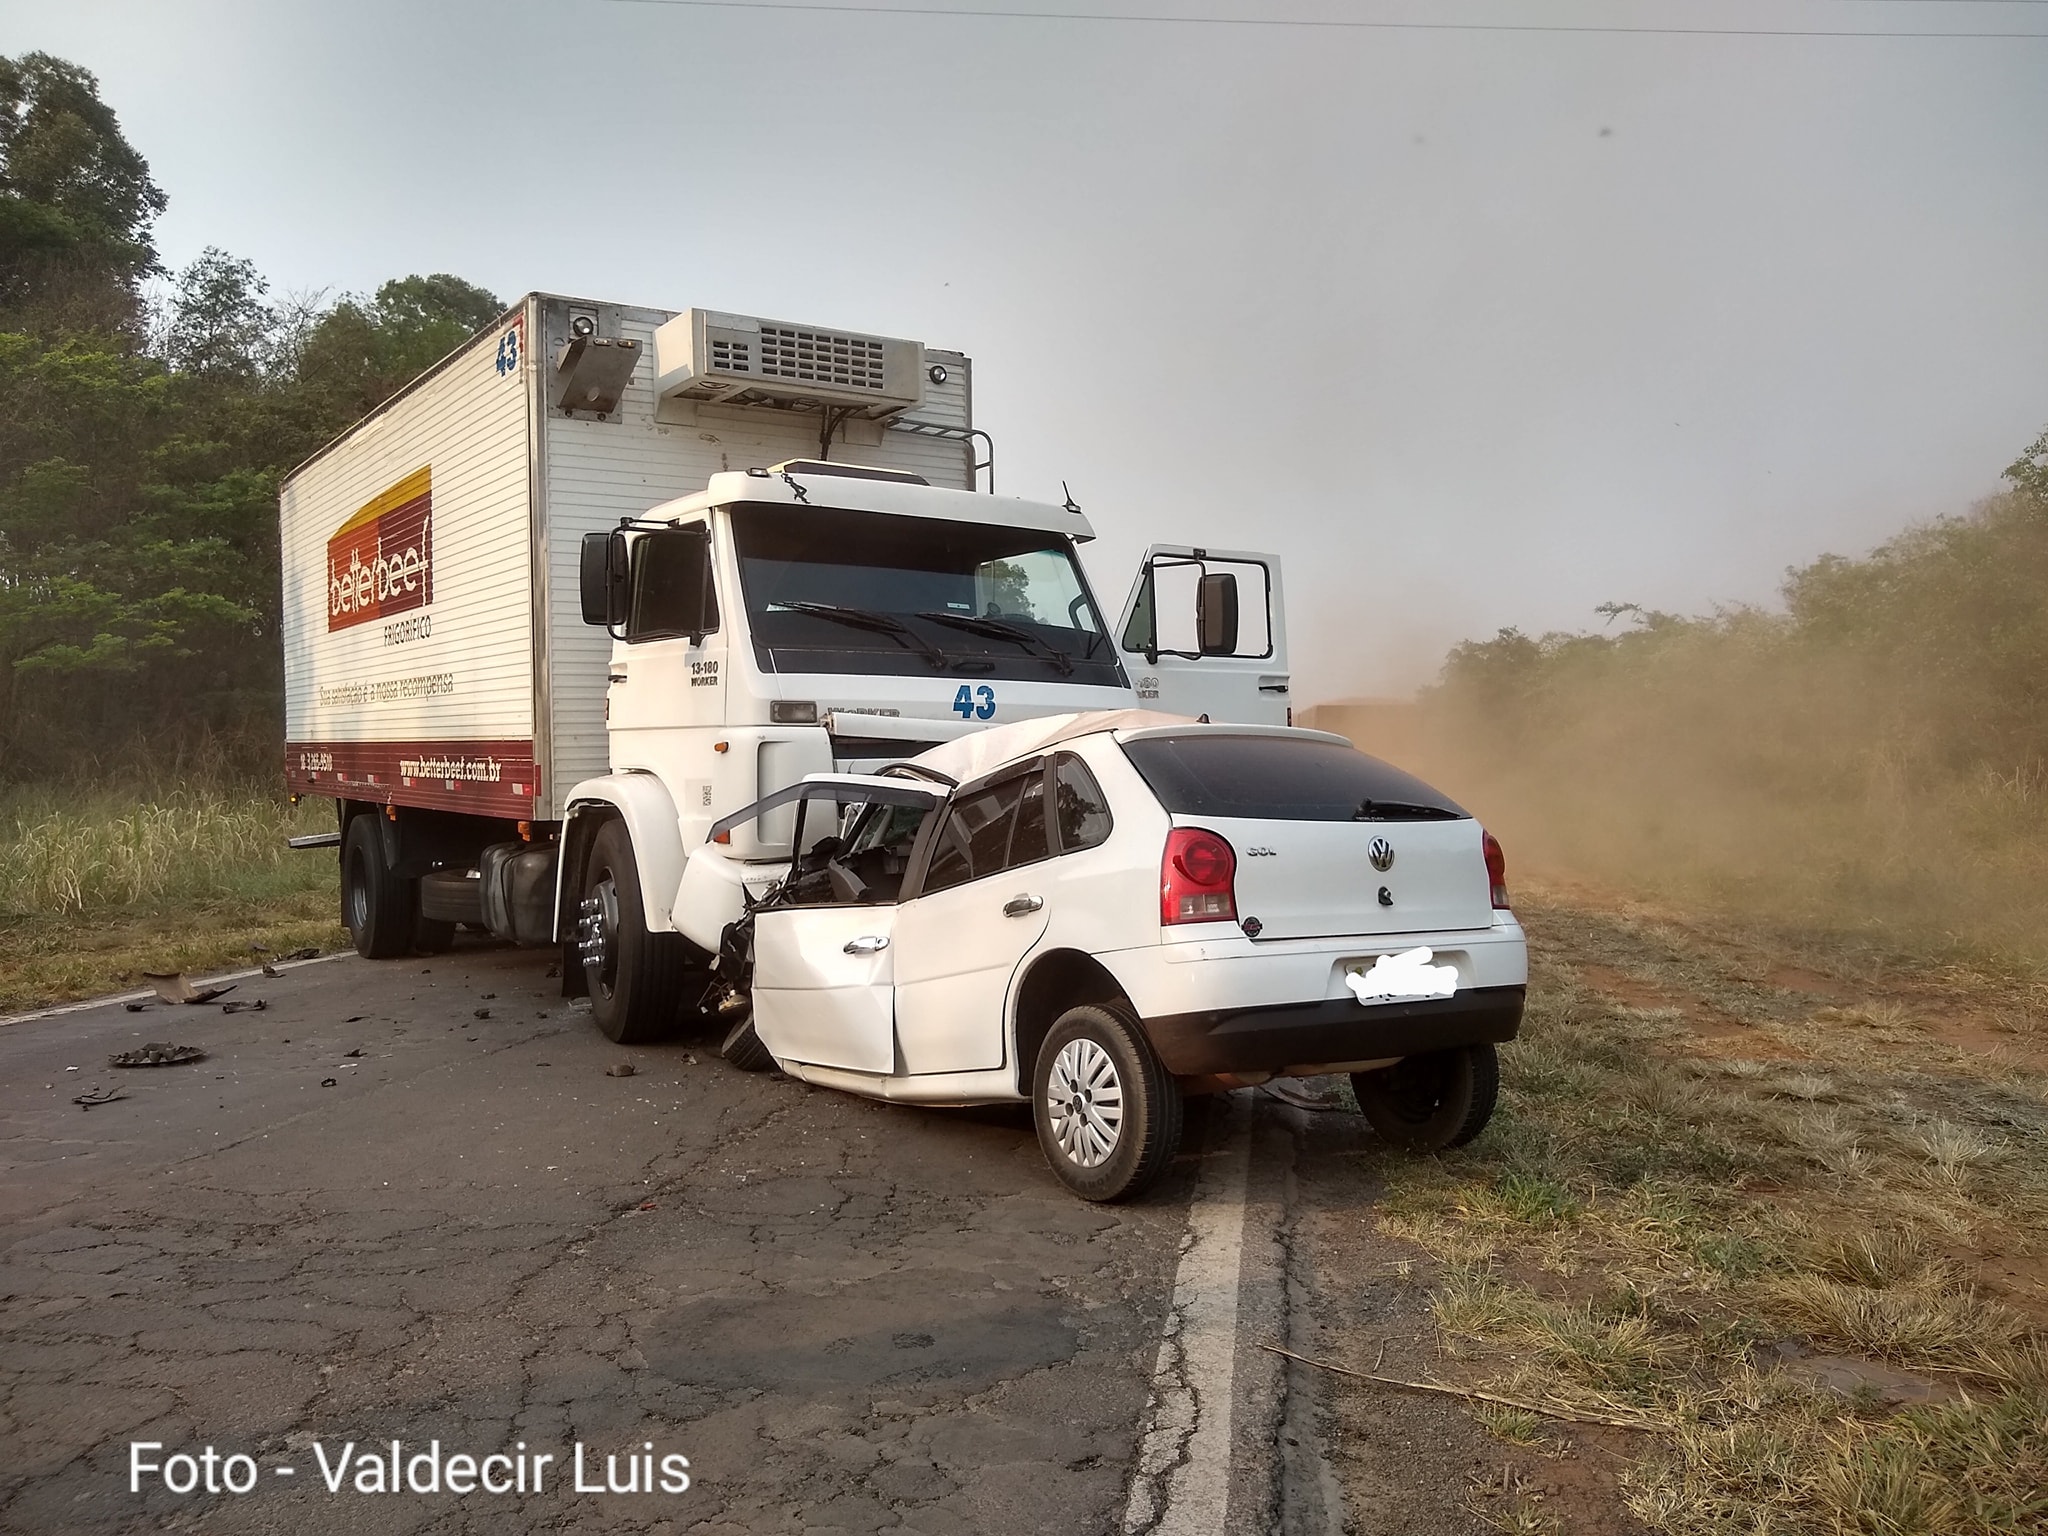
[846, 1316]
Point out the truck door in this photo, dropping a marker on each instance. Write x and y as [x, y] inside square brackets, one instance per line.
[1204, 633]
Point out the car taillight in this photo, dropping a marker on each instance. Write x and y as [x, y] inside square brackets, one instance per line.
[1497, 873]
[1197, 878]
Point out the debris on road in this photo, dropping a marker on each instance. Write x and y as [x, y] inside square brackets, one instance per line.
[94, 1096]
[271, 971]
[356, 1052]
[327, 1082]
[134, 1007]
[623, 1069]
[481, 1013]
[244, 1005]
[172, 987]
[310, 952]
[157, 1054]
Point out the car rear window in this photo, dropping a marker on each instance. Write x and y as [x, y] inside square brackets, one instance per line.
[1283, 778]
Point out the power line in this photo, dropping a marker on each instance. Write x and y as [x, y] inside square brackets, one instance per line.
[1129, 18]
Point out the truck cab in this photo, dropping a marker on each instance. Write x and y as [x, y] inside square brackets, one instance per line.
[816, 617]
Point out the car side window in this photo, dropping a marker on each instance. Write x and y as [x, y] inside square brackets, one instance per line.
[989, 831]
[1081, 810]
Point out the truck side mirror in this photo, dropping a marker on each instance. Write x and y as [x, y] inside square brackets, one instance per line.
[603, 579]
[671, 585]
[1216, 613]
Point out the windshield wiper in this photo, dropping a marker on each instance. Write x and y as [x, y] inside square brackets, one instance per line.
[1402, 810]
[998, 629]
[878, 623]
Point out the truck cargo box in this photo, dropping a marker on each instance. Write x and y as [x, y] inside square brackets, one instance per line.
[434, 650]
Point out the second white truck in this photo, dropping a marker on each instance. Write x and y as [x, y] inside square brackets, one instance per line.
[606, 574]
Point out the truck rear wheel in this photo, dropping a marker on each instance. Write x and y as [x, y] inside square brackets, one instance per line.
[1434, 1101]
[1108, 1114]
[635, 978]
[377, 907]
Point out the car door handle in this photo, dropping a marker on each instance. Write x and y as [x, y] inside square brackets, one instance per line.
[1019, 906]
[866, 944]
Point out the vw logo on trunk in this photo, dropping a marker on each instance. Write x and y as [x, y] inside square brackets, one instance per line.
[1382, 854]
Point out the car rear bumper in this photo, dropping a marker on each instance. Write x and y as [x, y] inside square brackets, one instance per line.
[1277, 1038]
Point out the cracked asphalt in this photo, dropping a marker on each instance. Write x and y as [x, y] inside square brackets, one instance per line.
[850, 1317]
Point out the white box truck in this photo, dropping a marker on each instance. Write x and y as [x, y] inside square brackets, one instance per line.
[613, 567]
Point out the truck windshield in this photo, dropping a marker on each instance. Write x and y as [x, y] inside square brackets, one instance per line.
[829, 590]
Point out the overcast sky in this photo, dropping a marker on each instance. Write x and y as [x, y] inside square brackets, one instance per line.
[1474, 328]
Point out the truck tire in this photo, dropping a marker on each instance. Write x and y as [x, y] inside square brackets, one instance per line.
[1108, 1114]
[433, 936]
[635, 977]
[1431, 1102]
[377, 907]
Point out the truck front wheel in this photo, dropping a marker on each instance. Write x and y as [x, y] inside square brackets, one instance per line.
[377, 907]
[634, 977]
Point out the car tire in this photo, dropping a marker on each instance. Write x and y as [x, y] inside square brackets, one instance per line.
[743, 1048]
[635, 978]
[377, 907]
[1431, 1102]
[1096, 1059]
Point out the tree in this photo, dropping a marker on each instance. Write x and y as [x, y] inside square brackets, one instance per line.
[363, 350]
[217, 325]
[76, 200]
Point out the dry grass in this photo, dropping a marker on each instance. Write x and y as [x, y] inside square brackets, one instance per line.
[1656, 1229]
[98, 885]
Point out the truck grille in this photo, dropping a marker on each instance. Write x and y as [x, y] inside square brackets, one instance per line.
[821, 357]
[731, 356]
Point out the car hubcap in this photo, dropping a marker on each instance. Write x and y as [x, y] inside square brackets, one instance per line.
[1084, 1099]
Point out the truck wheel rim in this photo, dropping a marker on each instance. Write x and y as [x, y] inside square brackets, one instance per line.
[1084, 1099]
[358, 893]
[600, 943]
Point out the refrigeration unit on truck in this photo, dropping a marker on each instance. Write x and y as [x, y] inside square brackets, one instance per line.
[605, 574]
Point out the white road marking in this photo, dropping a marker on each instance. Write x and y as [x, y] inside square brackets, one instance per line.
[1181, 1485]
[149, 993]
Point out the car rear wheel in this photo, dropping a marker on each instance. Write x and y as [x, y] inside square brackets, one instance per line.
[634, 977]
[1430, 1102]
[1108, 1114]
[377, 907]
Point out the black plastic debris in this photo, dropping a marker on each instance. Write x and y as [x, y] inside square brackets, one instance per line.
[326, 1082]
[481, 1013]
[254, 1005]
[135, 1007]
[157, 1054]
[356, 1052]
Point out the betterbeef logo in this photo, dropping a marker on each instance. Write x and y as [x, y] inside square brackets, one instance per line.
[381, 561]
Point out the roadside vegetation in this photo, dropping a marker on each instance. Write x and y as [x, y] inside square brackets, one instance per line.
[1776, 1203]
[99, 884]
[1871, 759]
[146, 415]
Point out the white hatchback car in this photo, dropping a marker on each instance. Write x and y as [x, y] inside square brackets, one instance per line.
[1101, 913]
